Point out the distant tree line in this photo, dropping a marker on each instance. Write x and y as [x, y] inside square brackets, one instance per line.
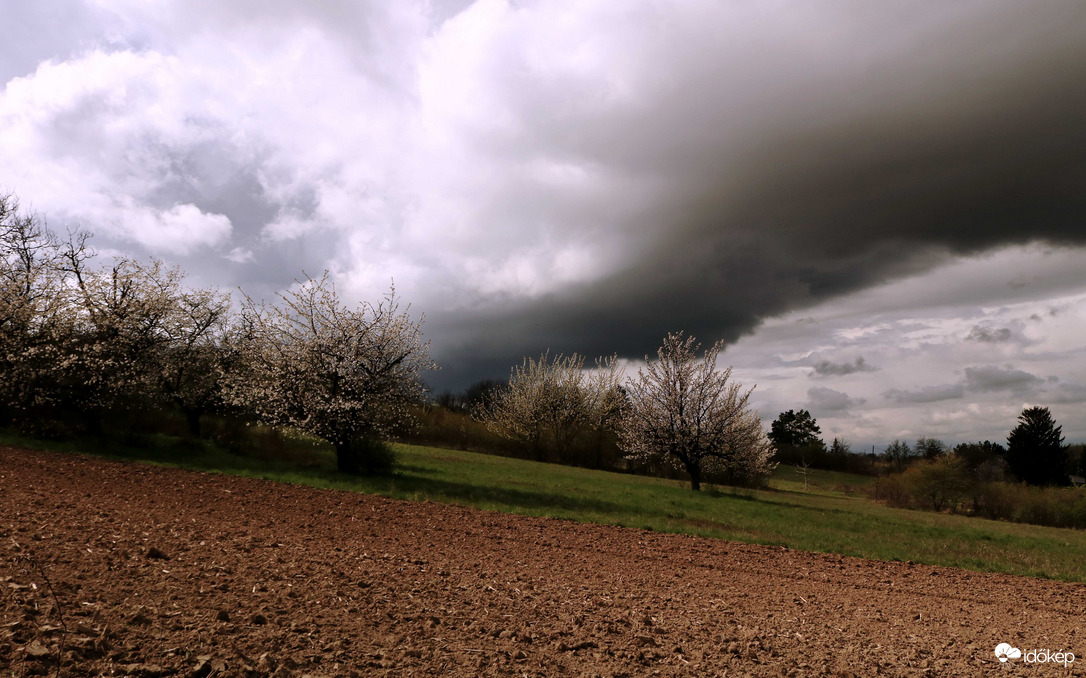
[1035, 452]
[975, 479]
[1025, 480]
[796, 436]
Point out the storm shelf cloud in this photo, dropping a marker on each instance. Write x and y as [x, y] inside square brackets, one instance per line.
[553, 175]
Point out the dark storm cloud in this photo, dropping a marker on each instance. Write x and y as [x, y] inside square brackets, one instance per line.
[821, 399]
[962, 136]
[989, 335]
[825, 368]
[991, 378]
[928, 394]
[1068, 393]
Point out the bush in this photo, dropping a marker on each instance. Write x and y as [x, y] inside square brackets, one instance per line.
[941, 482]
[374, 456]
[1054, 507]
[895, 491]
[552, 407]
[937, 484]
[944, 483]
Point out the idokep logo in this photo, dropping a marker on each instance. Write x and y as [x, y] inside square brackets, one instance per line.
[1005, 652]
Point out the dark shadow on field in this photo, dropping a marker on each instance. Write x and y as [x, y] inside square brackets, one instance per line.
[319, 466]
[807, 507]
[410, 479]
[783, 502]
[735, 494]
[405, 481]
[305, 464]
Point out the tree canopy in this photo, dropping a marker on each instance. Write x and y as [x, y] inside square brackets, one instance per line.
[686, 411]
[552, 401]
[342, 374]
[1035, 450]
[796, 429]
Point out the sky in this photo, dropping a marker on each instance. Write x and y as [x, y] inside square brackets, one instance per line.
[878, 207]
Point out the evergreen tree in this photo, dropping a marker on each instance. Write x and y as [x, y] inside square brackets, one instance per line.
[796, 429]
[1035, 449]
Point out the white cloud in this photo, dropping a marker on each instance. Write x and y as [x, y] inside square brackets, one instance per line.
[107, 133]
[240, 255]
[178, 230]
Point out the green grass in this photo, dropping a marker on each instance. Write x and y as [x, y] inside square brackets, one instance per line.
[833, 515]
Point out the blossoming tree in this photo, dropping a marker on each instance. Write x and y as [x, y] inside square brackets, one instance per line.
[344, 375]
[686, 412]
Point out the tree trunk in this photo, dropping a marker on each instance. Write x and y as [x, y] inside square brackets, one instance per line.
[192, 416]
[347, 460]
[92, 422]
[599, 447]
[536, 444]
[695, 476]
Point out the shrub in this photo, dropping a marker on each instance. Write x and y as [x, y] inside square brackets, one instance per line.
[553, 404]
[944, 483]
[939, 483]
[895, 491]
[374, 456]
[1054, 507]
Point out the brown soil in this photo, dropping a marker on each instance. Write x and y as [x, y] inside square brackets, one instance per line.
[165, 572]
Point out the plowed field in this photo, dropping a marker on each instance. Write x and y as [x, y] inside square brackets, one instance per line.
[163, 572]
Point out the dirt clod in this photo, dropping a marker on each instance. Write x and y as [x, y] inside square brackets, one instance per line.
[35, 650]
[207, 666]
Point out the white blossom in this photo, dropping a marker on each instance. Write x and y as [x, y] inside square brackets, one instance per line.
[686, 412]
[344, 375]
